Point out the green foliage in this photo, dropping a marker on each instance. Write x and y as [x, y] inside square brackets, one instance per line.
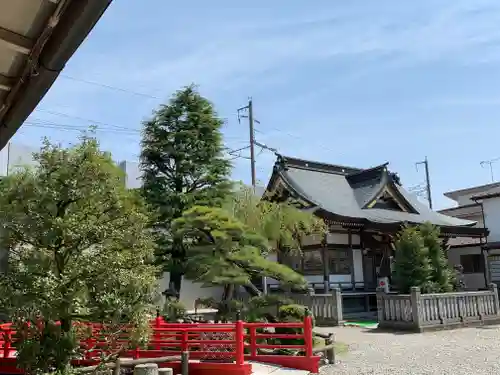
[183, 166]
[43, 347]
[421, 261]
[283, 225]
[412, 266]
[443, 277]
[291, 313]
[224, 251]
[173, 310]
[78, 243]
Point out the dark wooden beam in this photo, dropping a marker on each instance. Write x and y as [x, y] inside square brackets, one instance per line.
[330, 246]
[326, 264]
[362, 258]
[353, 279]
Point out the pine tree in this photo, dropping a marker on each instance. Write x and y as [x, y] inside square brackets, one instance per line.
[283, 225]
[442, 275]
[412, 265]
[224, 251]
[183, 166]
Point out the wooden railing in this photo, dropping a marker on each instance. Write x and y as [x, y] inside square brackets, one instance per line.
[326, 308]
[420, 312]
[232, 343]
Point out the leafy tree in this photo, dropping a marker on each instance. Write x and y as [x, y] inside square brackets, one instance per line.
[79, 249]
[283, 225]
[412, 266]
[183, 166]
[442, 275]
[224, 251]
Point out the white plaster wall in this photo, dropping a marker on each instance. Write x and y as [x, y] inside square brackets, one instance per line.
[332, 238]
[473, 281]
[358, 265]
[492, 218]
[190, 291]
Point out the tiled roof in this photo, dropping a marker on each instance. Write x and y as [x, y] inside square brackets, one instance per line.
[344, 191]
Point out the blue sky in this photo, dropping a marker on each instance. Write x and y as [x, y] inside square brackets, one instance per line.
[357, 82]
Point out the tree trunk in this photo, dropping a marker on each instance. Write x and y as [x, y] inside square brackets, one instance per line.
[252, 290]
[177, 269]
[175, 282]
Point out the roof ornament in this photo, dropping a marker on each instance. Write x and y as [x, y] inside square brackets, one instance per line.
[395, 178]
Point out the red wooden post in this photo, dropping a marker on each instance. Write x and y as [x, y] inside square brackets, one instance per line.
[157, 334]
[184, 340]
[7, 344]
[253, 342]
[308, 334]
[239, 343]
[136, 352]
[88, 347]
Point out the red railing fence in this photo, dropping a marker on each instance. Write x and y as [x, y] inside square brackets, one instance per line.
[222, 343]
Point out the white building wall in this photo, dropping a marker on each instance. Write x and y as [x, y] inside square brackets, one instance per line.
[190, 291]
[491, 208]
[473, 281]
[358, 265]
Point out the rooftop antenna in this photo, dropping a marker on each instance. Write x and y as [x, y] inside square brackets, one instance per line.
[489, 163]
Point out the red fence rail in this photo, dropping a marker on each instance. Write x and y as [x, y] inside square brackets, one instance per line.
[229, 345]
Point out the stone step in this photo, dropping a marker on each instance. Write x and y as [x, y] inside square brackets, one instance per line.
[259, 368]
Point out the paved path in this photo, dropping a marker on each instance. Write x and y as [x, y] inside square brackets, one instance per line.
[468, 351]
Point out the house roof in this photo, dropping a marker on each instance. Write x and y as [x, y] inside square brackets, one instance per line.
[349, 193]
[37, 38]
[486, 196]
[455, 194]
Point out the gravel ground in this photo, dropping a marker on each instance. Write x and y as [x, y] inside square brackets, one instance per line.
[467, 351]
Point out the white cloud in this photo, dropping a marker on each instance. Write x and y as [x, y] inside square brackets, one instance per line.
[241, 51]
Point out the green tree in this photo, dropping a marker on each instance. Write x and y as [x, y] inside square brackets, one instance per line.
[224, 251]
[183, 165]
[79, 249]
[442, 275]
[283, 225]
[412, 266]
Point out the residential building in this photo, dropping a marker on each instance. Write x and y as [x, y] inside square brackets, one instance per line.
[468, 251]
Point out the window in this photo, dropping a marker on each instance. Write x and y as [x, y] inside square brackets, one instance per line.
[291, 260]
[313, 262]
[339, 262]
[472, 263]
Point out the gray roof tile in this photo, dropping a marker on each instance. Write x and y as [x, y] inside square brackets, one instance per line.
[331, 191]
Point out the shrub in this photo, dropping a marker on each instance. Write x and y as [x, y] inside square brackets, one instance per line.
[173, 310]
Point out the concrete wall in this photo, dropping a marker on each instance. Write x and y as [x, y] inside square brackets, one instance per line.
[473, 281]
[16, 155]
[492, 218]
[190, 291]
[132, 174]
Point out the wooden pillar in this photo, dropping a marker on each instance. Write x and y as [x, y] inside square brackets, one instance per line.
[353, 277]
[362, 247]
[326, 264]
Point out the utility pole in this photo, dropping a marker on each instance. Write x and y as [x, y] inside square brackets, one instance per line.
[427, 180]
[249, 108]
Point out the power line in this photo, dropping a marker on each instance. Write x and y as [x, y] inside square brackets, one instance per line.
[110, 87]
